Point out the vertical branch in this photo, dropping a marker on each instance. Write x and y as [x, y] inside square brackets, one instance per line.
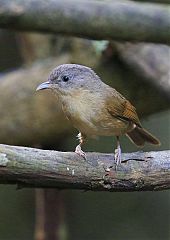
[53, 213]
[39, 215]
[49, 214]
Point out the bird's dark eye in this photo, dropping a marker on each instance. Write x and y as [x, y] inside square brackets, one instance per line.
[65, 78]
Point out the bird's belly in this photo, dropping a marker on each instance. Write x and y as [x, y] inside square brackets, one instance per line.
[91, 120]
[82, 123]
[93, 124]
[115, 127]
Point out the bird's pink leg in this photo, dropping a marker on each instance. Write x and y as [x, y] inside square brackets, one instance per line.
[78, 149]
[118, 153]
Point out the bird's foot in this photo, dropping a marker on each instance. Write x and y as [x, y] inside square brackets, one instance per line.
[118, 155]
[80, 152]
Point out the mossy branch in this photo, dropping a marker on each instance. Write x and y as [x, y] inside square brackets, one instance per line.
[30, 167]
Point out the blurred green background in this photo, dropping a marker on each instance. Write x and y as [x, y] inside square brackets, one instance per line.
[86, 215]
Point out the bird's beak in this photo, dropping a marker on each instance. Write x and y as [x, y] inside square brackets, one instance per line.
[44, 85]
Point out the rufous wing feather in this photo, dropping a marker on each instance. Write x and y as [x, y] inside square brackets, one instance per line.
[122, 109]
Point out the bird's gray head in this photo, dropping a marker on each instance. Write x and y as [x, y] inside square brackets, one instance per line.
[68, 77]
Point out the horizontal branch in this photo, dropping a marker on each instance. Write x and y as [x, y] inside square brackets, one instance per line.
[30, 167]
[119, 20]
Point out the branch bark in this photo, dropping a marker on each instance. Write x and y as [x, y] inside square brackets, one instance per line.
[126, 20]
[29, 167]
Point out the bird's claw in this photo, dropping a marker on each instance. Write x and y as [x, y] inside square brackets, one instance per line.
[80, 152]
[118, 155]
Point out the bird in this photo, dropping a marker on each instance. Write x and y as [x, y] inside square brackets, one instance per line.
[95, 108]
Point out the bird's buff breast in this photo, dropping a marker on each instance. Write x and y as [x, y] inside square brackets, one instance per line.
[88, 114]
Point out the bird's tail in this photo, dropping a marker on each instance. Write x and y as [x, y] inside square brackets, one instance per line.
[139, 136]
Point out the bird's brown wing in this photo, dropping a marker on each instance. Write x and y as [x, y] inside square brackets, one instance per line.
[122, 109]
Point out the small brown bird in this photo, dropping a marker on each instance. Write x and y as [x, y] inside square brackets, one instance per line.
[95, 108]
